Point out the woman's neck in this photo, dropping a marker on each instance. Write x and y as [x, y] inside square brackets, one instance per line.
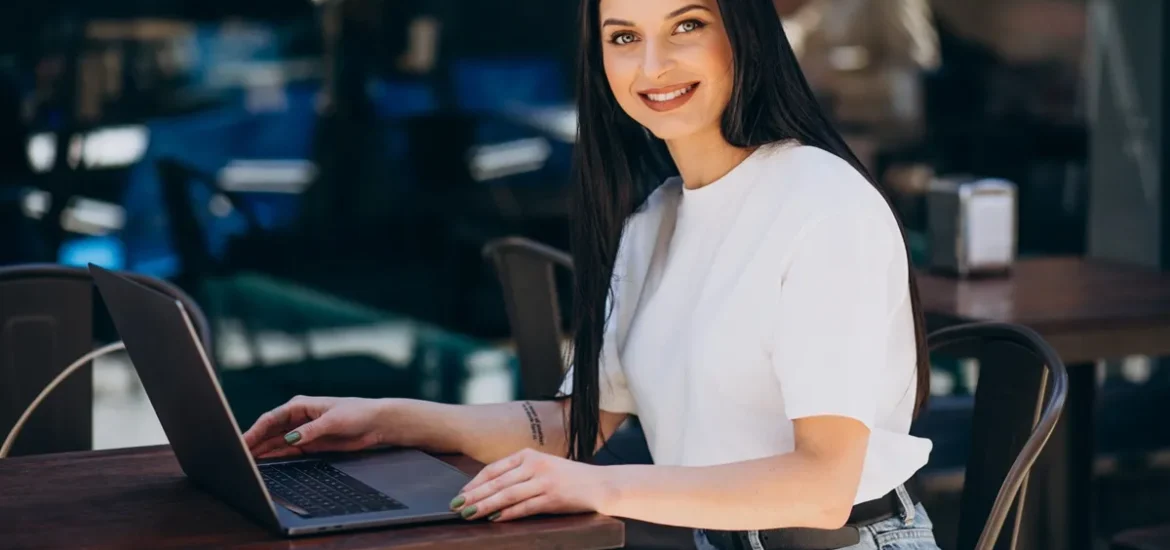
[704, 158]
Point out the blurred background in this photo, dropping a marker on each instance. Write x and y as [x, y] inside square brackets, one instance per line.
[322, 176]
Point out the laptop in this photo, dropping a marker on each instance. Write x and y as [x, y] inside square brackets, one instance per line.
[293, 496]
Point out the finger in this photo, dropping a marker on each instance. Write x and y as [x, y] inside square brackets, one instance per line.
[306, 434]
[269, 445]
[510, 496]
[494, 470]
[282, 452]
[512, 477]
[278, 447]
[297, 410]
[539, 504]
[266, 426]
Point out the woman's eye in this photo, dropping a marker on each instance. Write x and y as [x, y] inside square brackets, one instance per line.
[622, 38]
[689, 25]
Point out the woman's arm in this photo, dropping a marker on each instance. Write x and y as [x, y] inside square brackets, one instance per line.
[813, 486]
[486, 433]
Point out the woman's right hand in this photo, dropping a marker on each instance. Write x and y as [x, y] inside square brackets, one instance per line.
[318, 424]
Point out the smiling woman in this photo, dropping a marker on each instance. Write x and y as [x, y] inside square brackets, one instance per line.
[715, 308]
[656, 63]
[756, 310]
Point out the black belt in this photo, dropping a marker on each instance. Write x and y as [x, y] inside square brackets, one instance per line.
[800, 538]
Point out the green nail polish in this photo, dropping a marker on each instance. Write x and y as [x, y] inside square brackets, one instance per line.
[292, 437]
[494, 516]
[457, 502]
[468, 512]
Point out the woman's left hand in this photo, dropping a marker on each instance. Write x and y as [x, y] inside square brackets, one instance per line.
[531, 482]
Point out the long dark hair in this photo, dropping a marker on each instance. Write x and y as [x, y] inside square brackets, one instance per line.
[617, 162]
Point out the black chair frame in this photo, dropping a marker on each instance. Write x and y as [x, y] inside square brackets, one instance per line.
[1016, 411]
[46, 323]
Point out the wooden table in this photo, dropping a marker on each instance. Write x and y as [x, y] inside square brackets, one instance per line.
[138, 498]
[1087, 310]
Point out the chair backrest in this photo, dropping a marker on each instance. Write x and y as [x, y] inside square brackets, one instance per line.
[46, 323]
[1021, 392]
[527, 272]
[189, 235]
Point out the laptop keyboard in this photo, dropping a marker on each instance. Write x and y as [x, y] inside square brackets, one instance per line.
[322, 490]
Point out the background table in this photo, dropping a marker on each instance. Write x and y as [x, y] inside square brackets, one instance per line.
[139, 498]
[1087, 310]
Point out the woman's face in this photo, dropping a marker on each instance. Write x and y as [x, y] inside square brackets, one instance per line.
[668, 62]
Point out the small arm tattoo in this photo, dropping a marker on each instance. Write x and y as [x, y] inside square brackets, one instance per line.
[534, 422]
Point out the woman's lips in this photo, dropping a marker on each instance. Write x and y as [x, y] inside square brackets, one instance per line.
[670, 98]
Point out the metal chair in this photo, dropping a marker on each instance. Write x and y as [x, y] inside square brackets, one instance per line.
[47, 321]
[201, 273]
[527, 272]
[188, 236]
[1022, 388]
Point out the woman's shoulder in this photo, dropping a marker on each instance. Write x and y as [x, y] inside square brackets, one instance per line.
[816, 183]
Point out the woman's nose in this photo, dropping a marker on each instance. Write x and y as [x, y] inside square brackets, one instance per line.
[658, 59]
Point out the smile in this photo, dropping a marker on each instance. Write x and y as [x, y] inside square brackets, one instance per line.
[666, 99]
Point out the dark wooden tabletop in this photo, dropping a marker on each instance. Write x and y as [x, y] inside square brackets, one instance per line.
[139, 498]
[1087, 309]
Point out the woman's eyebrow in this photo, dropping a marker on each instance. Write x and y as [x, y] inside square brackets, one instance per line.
[685, 9]
[671, 15]
[617, 22]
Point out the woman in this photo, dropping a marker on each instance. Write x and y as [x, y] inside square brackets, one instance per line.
[758, 314]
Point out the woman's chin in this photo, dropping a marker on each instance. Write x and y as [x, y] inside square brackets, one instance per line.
[671, 132]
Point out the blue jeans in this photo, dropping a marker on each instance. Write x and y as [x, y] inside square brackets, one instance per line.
[910, 531]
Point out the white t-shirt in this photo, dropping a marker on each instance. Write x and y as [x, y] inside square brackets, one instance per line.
[778, 292]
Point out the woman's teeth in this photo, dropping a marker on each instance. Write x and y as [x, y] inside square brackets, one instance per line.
[672, 95]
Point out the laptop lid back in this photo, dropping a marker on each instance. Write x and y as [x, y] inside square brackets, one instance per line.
[185, 393]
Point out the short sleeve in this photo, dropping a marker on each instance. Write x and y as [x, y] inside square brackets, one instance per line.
[832, 333]
[629, 272]
[613, 390]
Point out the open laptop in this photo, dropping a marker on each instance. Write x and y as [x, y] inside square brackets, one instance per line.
[297, 496]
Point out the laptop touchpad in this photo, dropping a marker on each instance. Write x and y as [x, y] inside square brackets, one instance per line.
[409, 476]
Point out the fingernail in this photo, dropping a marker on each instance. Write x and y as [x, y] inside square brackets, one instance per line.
[457, 502]
[494, 516]
[468, 512]
[292, 437]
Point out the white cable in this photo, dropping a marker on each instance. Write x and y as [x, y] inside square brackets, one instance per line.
[85, 359]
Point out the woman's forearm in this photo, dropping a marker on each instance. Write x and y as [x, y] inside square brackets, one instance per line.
[790, 490]
[485, 433]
